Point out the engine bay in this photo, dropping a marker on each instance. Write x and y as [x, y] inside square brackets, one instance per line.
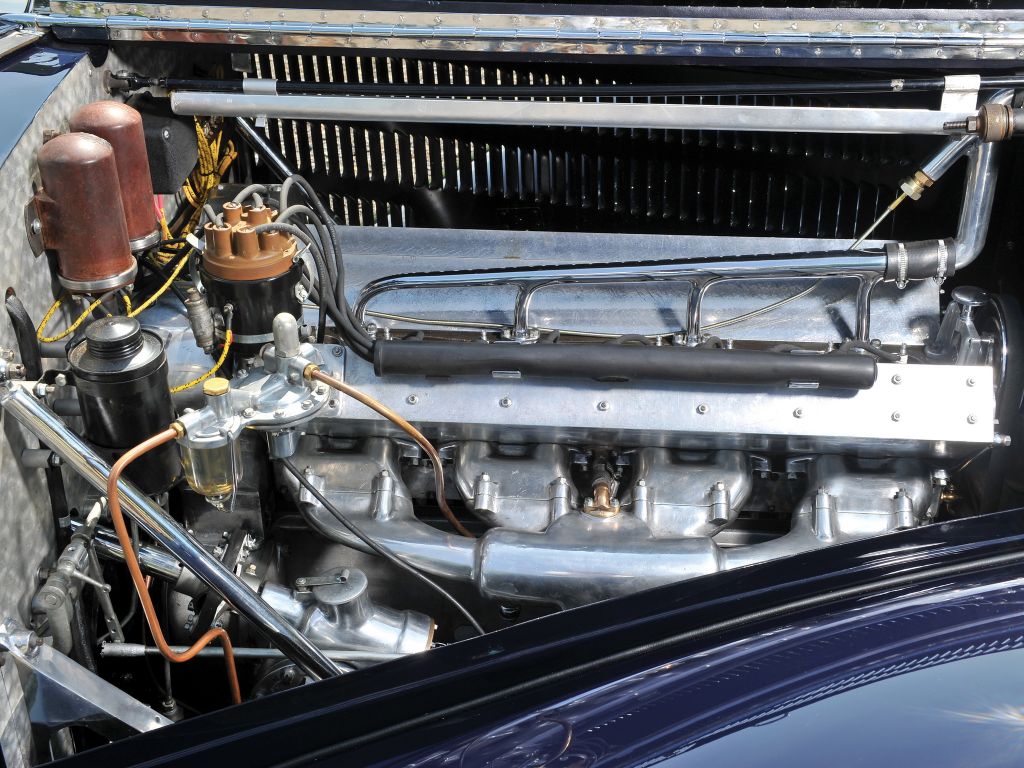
[349, 356]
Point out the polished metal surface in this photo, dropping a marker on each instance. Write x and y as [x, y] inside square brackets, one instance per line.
[939, 412]
[580, 558]
[699, 33]
[707, 274]
[337, 613]
[592, 114]
[518, 490]
[78, 455]
[62, 693]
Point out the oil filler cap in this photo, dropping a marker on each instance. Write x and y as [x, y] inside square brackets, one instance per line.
[216, 386]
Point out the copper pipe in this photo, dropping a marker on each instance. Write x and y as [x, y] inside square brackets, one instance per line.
[312, 372]
[114, 504]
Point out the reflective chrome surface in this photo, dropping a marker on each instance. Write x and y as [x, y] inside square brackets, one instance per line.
[78, 455]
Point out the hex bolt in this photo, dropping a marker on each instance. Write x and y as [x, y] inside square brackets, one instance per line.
[603, 405]
[702, 409]
[336, 351]
[505, 402]
[798, 413]
[307, 404]
[896, 416]
[896, 379]
[279, 412]
[248, 413]
[972, 419]
[60, 380]
[412, 399]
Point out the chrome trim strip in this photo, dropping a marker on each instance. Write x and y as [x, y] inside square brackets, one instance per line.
[855, 35]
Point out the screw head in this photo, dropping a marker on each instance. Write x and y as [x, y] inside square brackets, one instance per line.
[971, 381]
[505, 402]
[248, 413]
[972, 419]
[897, 379]
[798, 413]
[307, 404]
[336, 351]
[603, 405]
[412, 399]
[36, 226]
[702, 409]
[896, 416]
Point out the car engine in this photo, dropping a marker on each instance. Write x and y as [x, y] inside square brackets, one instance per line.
[322, 358]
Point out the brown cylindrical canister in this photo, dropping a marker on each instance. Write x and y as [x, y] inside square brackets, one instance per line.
[79, 208]
[121, 125]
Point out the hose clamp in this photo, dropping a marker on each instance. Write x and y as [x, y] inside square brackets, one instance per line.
[941, 261]
[902, 265]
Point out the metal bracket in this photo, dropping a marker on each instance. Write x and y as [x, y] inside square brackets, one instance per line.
[960, 93]
[63, 693]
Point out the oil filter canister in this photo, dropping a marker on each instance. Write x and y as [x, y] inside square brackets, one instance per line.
[121, 375]
[121, 126]
[80, 212]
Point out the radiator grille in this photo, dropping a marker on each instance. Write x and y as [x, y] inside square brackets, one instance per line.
[696, 182]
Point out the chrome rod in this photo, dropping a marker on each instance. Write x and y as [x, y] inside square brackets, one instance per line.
[151, 560]
[707, 117]
[830, 264]
[78, 455]
[255, 140]
[134, 650]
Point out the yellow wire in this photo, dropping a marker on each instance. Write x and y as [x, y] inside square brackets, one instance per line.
[228, 336]
[74, 326]
[162, 289]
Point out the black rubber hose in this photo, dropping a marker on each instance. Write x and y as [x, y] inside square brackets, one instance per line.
[25, 333]
[625, 362]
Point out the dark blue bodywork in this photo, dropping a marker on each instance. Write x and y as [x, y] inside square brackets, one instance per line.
[901, 650]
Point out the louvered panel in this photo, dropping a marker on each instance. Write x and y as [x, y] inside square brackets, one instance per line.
[598, 179]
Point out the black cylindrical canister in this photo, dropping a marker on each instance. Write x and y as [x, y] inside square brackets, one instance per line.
[121, 375]
[256, 303]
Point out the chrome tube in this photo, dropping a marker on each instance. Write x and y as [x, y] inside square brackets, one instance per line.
[78, 455]
[704, 117]
[854, 264]
[255, 140]
[151, 560]
[135, 650]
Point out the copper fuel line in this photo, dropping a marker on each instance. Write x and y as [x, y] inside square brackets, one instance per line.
[314, 373]
[114, 504]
